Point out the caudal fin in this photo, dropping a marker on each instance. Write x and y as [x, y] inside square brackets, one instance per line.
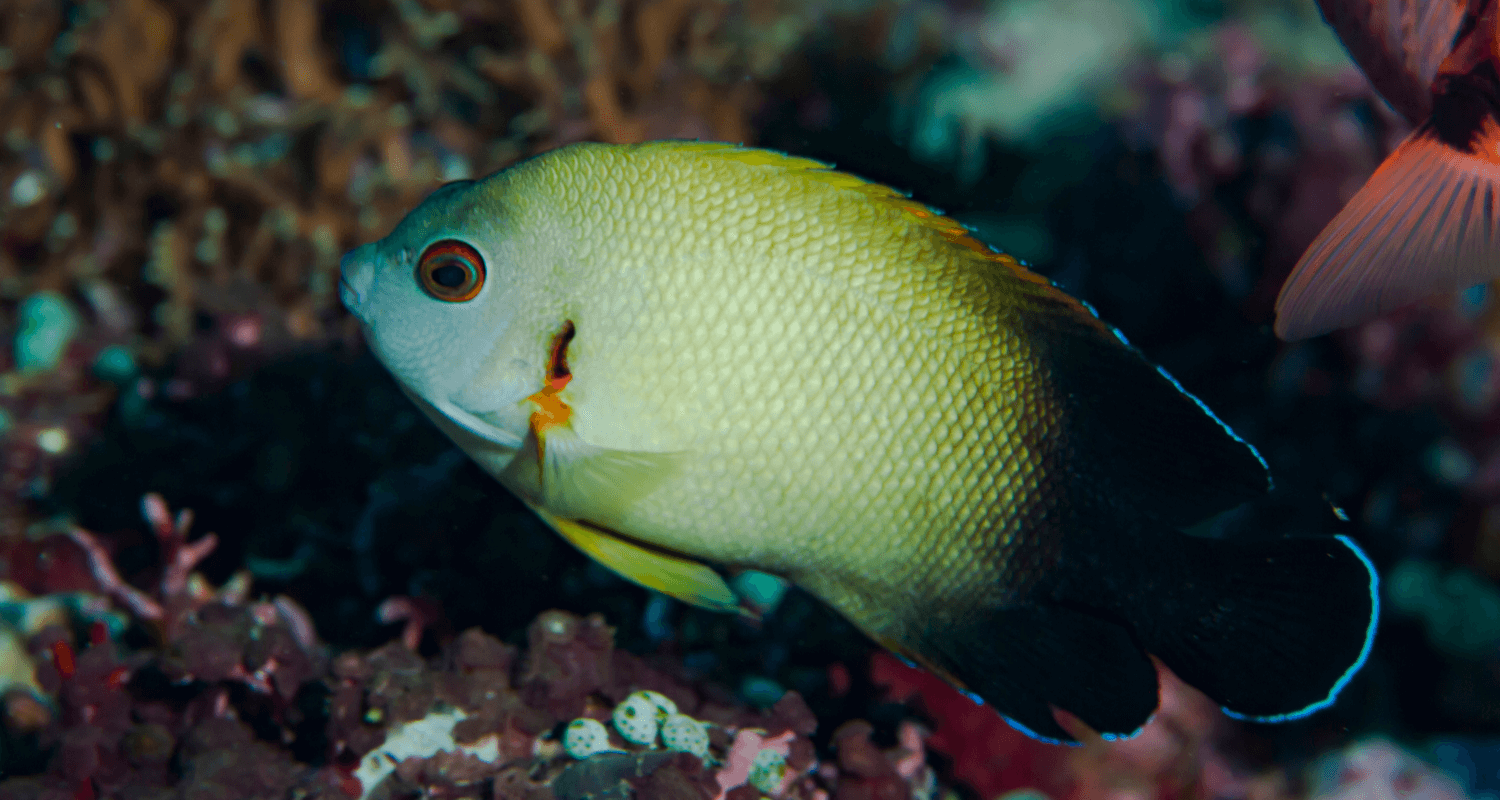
[1270, 630]
[1427, 222]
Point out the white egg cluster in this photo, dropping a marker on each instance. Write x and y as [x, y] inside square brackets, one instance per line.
[767, 770]
[585, 737]
[682, 732]
[640, 719]
[663, 704]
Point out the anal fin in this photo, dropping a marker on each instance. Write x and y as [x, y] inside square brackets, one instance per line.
[1028, 660]
[671, 574]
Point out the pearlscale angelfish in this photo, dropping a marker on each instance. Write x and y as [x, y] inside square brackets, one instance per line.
[695, 358]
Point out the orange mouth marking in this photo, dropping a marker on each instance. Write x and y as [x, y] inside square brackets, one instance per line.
[550, 410]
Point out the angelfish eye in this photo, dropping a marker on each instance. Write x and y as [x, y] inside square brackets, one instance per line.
[451, 271]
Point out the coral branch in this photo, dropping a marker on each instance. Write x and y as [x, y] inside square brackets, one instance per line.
[109, 579]
[184, 558]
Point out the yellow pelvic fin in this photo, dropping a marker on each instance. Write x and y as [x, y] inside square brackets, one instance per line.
[671, 574]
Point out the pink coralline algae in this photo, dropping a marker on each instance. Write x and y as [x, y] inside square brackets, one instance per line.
[1176, 755]
[1379, 770]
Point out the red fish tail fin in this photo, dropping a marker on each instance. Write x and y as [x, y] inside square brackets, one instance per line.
[1427, 222]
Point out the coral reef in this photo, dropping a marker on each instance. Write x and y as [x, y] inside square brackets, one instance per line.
[180, 179]
[1376, 770]
[233, 698]
[1195, 107]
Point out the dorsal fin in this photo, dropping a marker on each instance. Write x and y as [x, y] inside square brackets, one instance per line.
[913, 211]
[1134, 437]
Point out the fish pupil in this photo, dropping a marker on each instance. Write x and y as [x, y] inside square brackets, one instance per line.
[450, 276]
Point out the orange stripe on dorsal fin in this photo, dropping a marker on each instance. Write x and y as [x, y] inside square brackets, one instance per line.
[1427, 222]
[811, 169]
[912, 211]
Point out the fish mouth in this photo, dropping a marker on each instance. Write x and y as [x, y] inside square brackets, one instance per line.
[352, 299]
[356, 274]
[347, 293]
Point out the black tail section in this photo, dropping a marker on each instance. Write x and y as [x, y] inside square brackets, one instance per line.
[1270, 630]
[1024, 660]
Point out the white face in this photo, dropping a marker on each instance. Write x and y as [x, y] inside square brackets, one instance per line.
[432, 295]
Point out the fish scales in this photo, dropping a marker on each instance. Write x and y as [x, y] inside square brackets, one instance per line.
[692, 354]
[688, 363]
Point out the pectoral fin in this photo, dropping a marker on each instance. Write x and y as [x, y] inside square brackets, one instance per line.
[557, 470]
[567, 480]
[671, 574]
[573, 478]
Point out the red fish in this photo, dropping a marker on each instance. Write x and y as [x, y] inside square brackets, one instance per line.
[1428, 220]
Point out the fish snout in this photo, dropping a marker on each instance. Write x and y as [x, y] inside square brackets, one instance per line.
[356, 273]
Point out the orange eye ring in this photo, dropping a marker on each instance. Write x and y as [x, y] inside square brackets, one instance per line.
[451, 271]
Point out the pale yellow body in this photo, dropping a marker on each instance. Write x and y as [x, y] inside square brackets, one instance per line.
[686, 354]
[841, 381]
